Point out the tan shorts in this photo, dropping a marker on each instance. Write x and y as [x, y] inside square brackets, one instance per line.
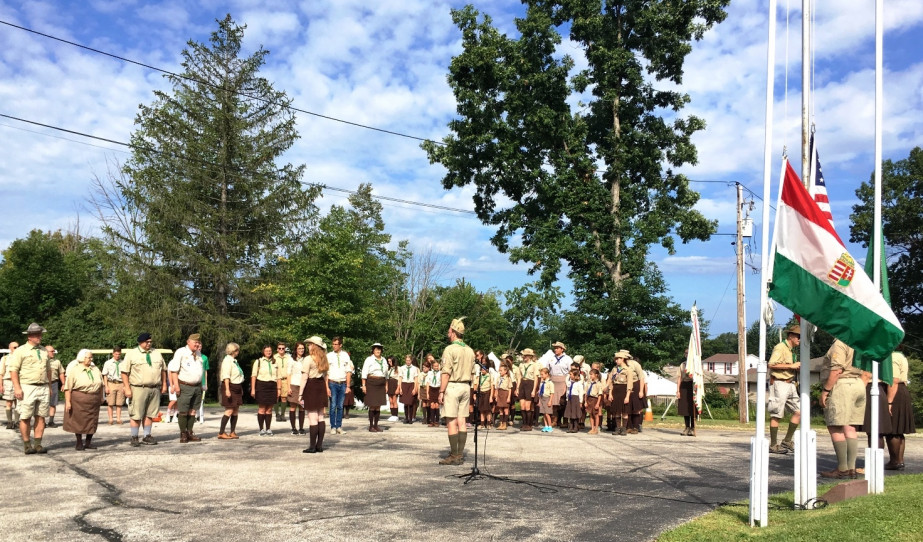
[846, 403]
[116, 395]
[145, 403]
[456, 400]
[8, 391]
[34, 401]
[782, 396]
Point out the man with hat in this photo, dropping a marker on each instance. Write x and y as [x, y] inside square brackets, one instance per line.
[558, 367]
[6, 388]
[526, 375]
[57, 383]
[30, 372]
[843, 399]
[186, 371]
[783, 392]
[454, 390]
[144, 377]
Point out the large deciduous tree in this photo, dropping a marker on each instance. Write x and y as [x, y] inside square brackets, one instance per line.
[212, 200]
[902, 191]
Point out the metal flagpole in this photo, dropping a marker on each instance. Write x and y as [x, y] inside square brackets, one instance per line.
[806, 441]
[874, 456]
[759, 447]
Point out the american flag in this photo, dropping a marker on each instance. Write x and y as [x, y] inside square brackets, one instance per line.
[818, 189]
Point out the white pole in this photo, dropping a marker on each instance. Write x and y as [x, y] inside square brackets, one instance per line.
[874, 461]
[805, 483]
[759, 448]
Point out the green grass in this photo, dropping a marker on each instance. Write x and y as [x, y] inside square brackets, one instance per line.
[817, 423]
[896, 515]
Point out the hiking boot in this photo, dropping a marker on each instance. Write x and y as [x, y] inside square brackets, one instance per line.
[149, 440]
[134, 442]
[183, 437]
[836, 473]
[193, 437]
[450, 460]
[788, 445]
[778, 449]
[685, 432]
[39, 449]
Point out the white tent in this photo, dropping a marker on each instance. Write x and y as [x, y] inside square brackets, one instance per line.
[658, 385]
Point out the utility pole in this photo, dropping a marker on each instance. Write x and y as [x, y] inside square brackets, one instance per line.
[742, 395]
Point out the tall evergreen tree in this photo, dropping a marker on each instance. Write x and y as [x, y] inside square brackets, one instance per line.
[213, 202]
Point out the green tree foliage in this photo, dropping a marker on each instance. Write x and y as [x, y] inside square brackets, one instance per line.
[529, 310]
[485, 327]
[902, 190]
[340, 282]
[212, 202]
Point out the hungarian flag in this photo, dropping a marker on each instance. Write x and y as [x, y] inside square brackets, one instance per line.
[815, 276]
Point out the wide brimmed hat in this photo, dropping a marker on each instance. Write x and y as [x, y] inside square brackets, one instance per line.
[796, 329]
[578, 358]
[528, 352]
[378, 345]
[317, 341]
[33, 329]
[559, 343]
[624, 354]
[458, 325]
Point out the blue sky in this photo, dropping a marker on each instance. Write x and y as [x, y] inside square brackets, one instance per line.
[384, 63]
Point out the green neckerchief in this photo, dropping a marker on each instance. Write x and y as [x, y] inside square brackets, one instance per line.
[147, 355]
[792, 350]
[434, 378]
[90, 374]
[525, 371]
[338, 360]
[459, 342]
[270, 366]
[481, 385]
[381, 365]
[38, 352]
[239, 370]
[408, 371]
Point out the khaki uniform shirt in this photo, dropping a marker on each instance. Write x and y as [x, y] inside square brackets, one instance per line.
[594, 389]
[483, 383]
[782, 353]
[282, 365]
[85, 379]
[840, 356]
[56, 370]
[4, 364]
[504, 383]
[636, 370]
[622, 375]
[187, 365]
[899, 367]
[140, 373]
[309, 367]
[112, 369]
[458, 362]
[527, 371]
[32, 364]
[548, 389]
[264, 370]
[230, 370]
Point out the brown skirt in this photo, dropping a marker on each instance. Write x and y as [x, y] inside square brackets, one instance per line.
[503, 398]
[349, 399]
[266, 392]
[484, 402]
[618, 407]
[392, 386]
[407, 396]
[574, 408]
[543, 407]
[591, 404]
[294, 395]
[635, 403]
[84, 415]
[315, 394]
[526, 387]
[374, 391]
[433, 394]
[902, 422]
[686, 403]
[237, 396]
[884, 417]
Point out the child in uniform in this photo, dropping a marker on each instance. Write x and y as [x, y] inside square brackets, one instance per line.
[575, 392]
[503, 393]
[484, 387]
[546, 399]
[592, 402]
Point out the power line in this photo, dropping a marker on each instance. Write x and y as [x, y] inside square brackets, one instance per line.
[192, 80]
[205, 162]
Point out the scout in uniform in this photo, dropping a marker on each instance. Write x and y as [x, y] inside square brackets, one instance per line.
[230, 390]
[393, 387]
[187, 371]
[484, 388]
[294, 394]
[409, 390]
[545, 397]
[504, 390]
[621, 381]
[83, 396]
[455, 390]
[264, 387]
[112, 382]
[6, 388]
[282, 361]
[593, 402]
[636, 393]
[559, 367]
[57, 382]
[374, 375]
[843, 399]
[783, 392]
[144, 380]
[423, 390]
[433, 386]
[315, 391]
[526, 376]
[685, 400]
[575, 392]
[31, 376]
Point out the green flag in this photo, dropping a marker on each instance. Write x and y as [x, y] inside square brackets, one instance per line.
[864, 362]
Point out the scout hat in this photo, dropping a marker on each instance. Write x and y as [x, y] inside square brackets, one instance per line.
[559, 343]
[195, 337]
[144, 337]
[528, 352]
[317, 341]
[622, 354]
[458, 325]
[378, 345]
[34, 329]
[578, 358]
[796, 329]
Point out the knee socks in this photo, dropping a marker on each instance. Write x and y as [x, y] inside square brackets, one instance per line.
[301, 420]
[321, 429]
[233, 423]
[224, 424]
[291, 418]
[394, 412]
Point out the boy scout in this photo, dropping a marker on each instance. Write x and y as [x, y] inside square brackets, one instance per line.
[31, 376]
[144, 377]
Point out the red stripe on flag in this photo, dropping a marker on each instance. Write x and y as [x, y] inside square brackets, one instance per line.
[821, 198]
[796, 196]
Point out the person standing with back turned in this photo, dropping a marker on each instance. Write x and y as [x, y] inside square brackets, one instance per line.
[454, 394]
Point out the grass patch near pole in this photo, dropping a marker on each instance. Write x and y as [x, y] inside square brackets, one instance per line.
[895, 515]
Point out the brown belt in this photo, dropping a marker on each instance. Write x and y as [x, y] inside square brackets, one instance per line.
[146, 385]
[189, 384]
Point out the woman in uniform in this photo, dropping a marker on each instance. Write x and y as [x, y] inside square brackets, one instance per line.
[374, 375]
[83, 396]
[315, 390]
[900, 408]
[231, 390]
[294, 394]
[621, 380]
[264, 387]
[685, 400]
[407, 385]
[393, 387]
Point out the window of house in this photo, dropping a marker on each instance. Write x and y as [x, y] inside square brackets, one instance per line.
[710, 366]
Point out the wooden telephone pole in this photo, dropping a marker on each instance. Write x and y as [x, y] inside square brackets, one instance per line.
[743, 398]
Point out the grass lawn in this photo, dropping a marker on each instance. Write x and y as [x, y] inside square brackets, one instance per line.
[896, 515]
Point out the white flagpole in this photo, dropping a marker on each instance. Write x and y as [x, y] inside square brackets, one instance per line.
[759, 448]
[874, 457]
[805, 458]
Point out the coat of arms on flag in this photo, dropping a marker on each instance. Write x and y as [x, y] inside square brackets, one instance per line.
[843, 270]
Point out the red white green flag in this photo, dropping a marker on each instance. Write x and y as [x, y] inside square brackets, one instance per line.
[815, 276]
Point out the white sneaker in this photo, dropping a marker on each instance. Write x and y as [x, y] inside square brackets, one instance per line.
[262, 432]
[339, 430]
[268, 433]
[392, 419]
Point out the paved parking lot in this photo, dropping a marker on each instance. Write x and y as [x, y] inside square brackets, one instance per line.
[376, 486]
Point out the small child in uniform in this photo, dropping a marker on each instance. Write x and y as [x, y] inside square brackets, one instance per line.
[575, 391]
[545, 397]
[592, 402]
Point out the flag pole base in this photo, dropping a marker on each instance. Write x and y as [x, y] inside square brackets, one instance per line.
[759, 482]
[806, 470]
[875, 469]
